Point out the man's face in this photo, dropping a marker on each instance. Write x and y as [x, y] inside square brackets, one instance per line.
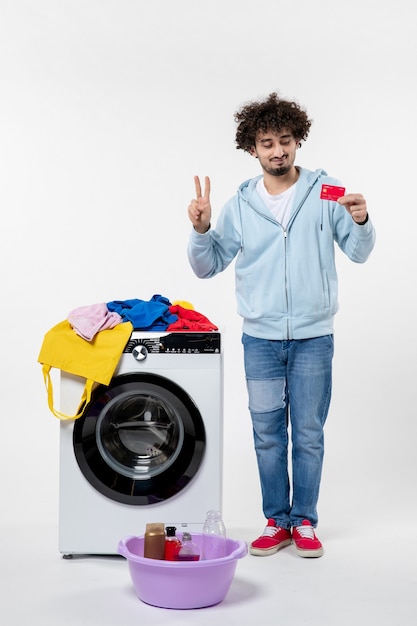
[275, 151]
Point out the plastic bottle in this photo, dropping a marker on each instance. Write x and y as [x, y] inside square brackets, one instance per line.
[214, 536]
[172, 544]
[154, 541]
[189, 550]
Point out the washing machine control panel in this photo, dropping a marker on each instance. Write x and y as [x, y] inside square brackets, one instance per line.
[173, 343]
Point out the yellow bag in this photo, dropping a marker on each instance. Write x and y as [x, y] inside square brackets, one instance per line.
[94, 360]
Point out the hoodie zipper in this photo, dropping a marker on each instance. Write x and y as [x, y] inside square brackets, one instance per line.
[286, 283]
[285, 253]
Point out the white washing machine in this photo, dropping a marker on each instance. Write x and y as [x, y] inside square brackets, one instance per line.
[148, 448]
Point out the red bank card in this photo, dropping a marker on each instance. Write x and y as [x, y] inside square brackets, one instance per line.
[331, 192]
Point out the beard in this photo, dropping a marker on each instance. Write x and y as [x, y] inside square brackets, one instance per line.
[277, 171]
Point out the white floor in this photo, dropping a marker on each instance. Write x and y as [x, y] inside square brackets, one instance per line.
[363, 578]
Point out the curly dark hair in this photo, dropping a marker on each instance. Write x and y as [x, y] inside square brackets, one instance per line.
[272, 114]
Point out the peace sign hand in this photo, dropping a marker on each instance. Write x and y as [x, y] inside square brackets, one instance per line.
[199, 210]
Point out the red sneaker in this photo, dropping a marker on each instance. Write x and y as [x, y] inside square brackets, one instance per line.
[306, 542]
[272, 539]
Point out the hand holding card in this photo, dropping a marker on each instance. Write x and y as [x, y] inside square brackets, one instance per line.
[355, 204]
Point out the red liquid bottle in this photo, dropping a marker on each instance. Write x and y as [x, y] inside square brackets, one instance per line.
[172, 544]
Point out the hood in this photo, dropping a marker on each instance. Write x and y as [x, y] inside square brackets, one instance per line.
[307, 178]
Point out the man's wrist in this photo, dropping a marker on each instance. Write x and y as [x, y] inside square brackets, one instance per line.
[202, 232]
[364, 222]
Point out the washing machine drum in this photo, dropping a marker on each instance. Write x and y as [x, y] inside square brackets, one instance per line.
[141, 440]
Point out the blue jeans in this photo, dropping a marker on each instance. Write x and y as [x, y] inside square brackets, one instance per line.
[289, 383]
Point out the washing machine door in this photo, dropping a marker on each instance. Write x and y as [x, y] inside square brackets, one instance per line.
[141, 440]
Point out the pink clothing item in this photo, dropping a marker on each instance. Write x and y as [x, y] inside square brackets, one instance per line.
[88, 320]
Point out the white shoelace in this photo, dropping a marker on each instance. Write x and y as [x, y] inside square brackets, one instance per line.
[270, 531]
[307, 532]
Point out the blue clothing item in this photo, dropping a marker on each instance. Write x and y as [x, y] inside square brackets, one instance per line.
[286, 280]
[153, 314]
[289, 381]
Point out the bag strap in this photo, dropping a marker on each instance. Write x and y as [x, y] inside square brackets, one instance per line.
[85, 398]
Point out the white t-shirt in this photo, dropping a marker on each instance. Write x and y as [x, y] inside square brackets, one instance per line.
[279, 205]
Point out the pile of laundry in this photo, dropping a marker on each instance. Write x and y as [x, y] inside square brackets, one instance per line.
[156, 314]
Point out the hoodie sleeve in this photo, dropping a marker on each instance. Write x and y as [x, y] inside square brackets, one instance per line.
[357, 241]
[210, 253]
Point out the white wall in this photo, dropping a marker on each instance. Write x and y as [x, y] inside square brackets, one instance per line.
[107, 110]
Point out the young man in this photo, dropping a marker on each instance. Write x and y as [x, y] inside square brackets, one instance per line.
[281, 228]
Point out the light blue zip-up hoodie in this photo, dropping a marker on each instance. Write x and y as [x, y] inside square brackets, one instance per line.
[286, 279]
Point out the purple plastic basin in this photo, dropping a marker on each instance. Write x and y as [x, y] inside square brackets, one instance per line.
[181, 585]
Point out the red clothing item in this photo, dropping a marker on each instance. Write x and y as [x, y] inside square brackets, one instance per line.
[188, 319]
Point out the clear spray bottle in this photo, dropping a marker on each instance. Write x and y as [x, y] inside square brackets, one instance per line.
[213, 536]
